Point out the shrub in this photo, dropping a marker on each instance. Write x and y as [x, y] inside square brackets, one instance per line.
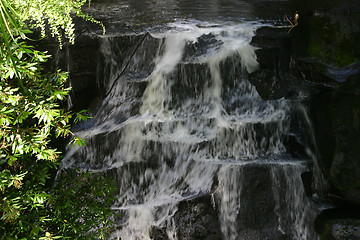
[31, 205]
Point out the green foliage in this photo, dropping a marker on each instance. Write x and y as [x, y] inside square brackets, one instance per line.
[76, 207]
[57, 13]
[331, 43]
[85, 200]
[31, 207]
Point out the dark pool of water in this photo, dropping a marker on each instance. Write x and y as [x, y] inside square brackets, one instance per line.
[150, 13]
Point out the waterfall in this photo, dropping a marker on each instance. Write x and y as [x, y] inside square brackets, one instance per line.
[183, 121]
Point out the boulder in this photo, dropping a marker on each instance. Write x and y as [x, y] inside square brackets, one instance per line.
[338, 224]
[333, 100]
[277, 77]
[197, 219]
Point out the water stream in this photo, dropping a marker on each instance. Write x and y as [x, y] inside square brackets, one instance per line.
[182, 121]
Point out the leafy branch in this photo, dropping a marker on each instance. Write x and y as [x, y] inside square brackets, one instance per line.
[31, 207]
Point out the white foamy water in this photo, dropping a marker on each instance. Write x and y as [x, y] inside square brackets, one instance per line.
[194, 121]
[300, 210]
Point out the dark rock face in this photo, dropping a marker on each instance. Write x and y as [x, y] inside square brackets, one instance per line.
[82, 60]
[334, 103]
[257, 218]
[336, 120]
[345, 166]
[282, 74]
[305, 64]
[335, 116]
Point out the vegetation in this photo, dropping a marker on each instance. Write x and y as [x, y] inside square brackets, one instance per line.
[331, 43]
[77, 206]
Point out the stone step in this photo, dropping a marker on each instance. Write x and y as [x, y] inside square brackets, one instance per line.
[249, 211]
[122, 55]
[176, 178]
[142, 139]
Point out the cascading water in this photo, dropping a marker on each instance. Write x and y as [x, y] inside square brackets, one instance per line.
[183, 122]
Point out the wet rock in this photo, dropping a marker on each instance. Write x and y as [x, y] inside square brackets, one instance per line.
[129, 56]
[274, 50]
[253, 197]
[197, 219]
[201, 47]
[273, 56]
[317, 72]
[320, 52]
[338, 224]
[312, 70]
[333, 93]
[158, 233]
[274, 79]
[257, 218]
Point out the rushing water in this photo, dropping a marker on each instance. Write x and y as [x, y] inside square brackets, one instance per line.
[182, 120]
